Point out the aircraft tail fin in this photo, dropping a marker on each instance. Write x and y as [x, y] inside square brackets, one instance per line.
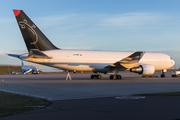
[33, 36]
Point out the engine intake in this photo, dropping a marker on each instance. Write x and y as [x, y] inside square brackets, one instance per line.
[146, 69]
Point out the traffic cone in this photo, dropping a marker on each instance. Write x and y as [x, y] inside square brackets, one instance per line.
[2, 81]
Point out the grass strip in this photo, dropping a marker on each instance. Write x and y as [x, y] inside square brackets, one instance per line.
[13, 104]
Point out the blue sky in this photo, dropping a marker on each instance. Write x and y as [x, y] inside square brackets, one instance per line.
[121, 25]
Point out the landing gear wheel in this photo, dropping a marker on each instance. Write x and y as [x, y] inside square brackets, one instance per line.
[163, 73]
[118, 77]
[163, 76]
[92, 76]
[111, 77]
[114, 77]
[96, 76]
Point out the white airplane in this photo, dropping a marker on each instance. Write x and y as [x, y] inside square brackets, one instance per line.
[42, 51]
[27, 70]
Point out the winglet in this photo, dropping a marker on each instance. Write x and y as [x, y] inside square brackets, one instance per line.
[16, 12]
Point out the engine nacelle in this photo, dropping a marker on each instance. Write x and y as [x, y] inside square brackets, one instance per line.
[146, 69]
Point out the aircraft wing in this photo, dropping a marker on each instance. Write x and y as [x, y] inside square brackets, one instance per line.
[127, 62]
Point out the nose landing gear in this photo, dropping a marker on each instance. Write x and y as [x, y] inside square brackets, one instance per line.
[163, 73]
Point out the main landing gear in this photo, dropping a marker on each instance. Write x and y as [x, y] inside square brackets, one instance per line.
[96, 76]
[113, 77]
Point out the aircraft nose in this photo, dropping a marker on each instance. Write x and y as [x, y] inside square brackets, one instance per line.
[172, 62]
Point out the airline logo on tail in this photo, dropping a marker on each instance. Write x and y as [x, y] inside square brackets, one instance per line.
[33, 36]
[24, 24]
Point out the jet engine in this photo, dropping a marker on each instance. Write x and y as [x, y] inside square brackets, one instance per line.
[146, 69]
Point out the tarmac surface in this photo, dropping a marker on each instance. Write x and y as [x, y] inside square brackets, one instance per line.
[84, 98]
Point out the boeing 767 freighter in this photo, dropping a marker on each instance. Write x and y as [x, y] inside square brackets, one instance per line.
[42, 51]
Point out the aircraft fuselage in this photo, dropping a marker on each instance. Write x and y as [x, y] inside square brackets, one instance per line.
[80, 60]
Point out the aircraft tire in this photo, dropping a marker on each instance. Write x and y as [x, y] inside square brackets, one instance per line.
[118, 77]
[99, 76]
[111, 77]
[162, 76]
[114, 77]
[92, 76]
[96, 76]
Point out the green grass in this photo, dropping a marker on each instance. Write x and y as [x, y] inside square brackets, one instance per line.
[5, 69]
[13, 104]
[162, 94]
[9, 69]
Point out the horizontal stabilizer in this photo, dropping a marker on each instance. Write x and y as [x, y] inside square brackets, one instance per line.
[13, 55]
[35, 53]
